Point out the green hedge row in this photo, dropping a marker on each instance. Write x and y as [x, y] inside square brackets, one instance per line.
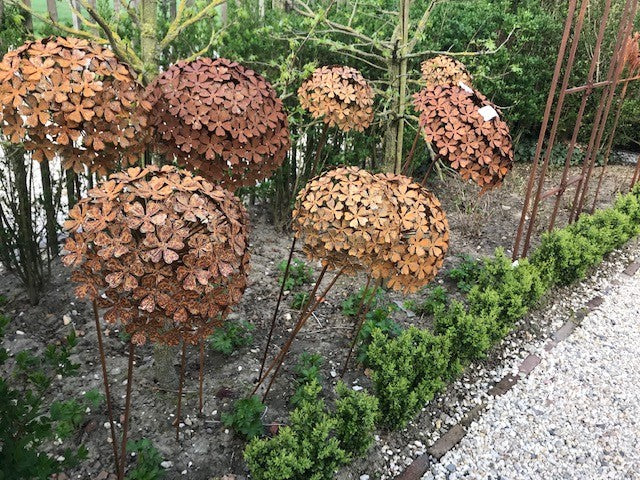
[408, 370]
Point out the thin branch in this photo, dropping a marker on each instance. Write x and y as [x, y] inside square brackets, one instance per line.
[422, 24]
[175, 30]
[463, 54]
[73, 31]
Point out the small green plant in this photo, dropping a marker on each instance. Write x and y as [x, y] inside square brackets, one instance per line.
[380, 320]
[28, 419]
[3, 301]
[231, 336]
[299, 274]
[466, 273]
[352, 303]
[356, 414]
[436, 298]
[307, 371]
[94, 398]
[299, 300]
[246, 417]
[148, 461]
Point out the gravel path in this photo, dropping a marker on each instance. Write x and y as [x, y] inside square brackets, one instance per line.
[576, 416]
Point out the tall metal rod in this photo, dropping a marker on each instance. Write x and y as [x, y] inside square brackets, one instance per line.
[302, 313]
[105, 381]
[275, 311]
[407, 162]
[615, 69]
[127, 410]
[201, 378]
[636, 173]
[279, 360]
[321, 144]
[545, 122]
[362, 315]
[607, 153]
[575, 41]
[179, 408]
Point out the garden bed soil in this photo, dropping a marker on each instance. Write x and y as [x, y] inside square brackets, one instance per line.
[206, 448]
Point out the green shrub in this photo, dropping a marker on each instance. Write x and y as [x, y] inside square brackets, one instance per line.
[356, 414]
[28, 419]
[435, 299]
[299, 274]
[466, 273]
[352, 303]
[246, 417]
[407, 371]
[299, 300]
[231, 336]
[148, 461]
[378, 319]
[307, 371]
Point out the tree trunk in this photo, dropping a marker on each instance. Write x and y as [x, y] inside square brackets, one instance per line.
[28, 19]
[52, 8]
[391, 130]
[74, 18]
[148, 38]
[47, 197]
[261, 8]
[173, 9]
[116, 6]
[27, 246]
[223, 14]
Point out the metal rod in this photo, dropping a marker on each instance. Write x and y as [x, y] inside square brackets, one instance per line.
[589, 86]
[179, 408]
[127, 410]
[321, 144]
[275, 311]
[280, 359]
[407, 162]
[636, 173]
[543, 126]
[302, 313]
[105, 381]
[200, 399]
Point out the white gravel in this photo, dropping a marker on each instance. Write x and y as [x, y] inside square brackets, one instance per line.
[577, 416]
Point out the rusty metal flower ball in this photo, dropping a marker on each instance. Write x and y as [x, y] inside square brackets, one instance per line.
[72, 98]
[466, 130]
[220, 119]
[386, 225]
[340, 96]
[164, 251]
[632, 53]
[415, 258]
[444, 70]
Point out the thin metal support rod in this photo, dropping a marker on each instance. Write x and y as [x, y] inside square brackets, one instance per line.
[321, 144]
[127, 411]
[302, 314]
[180, 387]
[275, 311]
[429, 169]
[279, 360]
[362, 315]
[409, 159]
[604, 83]
[105, 381]
[543, 126]
[636, 173]
[607, 154]
[201, 378]
[554, 124]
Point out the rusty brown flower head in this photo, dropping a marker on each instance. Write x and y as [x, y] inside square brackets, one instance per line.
[632, 53]
[385, 225]
[466, 130]
[444, 70]
[220, 119]
[340, 96]
[164, 251]
[72, 98]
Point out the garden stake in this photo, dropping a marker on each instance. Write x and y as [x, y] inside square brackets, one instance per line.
[275, 312]
[636, 173]
[407, 162]
[200, 402]
[426, 175]
[313, 292]
[359, 322]
[182, 362]
[321, 144]
[303, 319]
[105, 381]
[127, 409]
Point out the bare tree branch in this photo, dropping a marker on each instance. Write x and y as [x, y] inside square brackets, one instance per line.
[176, 28]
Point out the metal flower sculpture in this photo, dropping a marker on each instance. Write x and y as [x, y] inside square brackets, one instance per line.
[632, 53]
[466, 130]
[72, 98]
[165, 252]
[444, 70]
[220, 119]
[340, 96]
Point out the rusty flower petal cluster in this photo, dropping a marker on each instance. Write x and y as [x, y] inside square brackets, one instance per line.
[466, 130]
[384, 224]
[220, 119]
[632, 53]
[72, 98]
[340, 96]
[164, 251]
[444, 70]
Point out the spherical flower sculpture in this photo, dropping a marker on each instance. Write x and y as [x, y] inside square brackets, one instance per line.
[466, 130]
[72, 98]
[220, 119]
[386, 225]
[340, 96]
[444, 70]
[632, 53]
[164, 251]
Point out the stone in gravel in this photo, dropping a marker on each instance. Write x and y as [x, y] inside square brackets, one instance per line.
[166, 464]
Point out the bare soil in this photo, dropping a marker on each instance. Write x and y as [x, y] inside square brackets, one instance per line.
[206, 449]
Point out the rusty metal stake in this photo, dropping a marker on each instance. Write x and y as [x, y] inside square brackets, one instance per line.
[105, 381]
[321, 144]
[201, 378]
[179, 408]
[127, 410]
[407, 162]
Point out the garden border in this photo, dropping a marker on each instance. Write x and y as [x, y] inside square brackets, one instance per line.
[455, 434]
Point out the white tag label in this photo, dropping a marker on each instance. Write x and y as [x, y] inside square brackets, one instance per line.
[488, 112]
[465, 87]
